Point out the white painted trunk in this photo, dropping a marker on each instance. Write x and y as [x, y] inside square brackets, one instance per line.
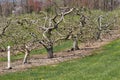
[9, 66]
[27, 52]
[75, 44]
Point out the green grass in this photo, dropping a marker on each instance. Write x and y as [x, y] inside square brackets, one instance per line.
[57, 48]
[103, 65]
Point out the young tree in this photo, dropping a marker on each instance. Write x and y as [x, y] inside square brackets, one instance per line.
[103, 27]
[80, 25]
[18, 36]
[50, 30]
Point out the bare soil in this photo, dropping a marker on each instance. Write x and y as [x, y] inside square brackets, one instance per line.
[39, 60]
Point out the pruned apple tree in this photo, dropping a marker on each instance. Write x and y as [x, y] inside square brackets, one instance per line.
[50, 30]
[18, 36]
[104, 24]
[79, 24]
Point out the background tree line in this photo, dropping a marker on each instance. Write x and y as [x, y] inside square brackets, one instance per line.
[7, 7]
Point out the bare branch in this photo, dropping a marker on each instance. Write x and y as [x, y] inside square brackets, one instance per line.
[68, 11]
[59, 33]
[43, 43]
[5, 28]
[46, 17]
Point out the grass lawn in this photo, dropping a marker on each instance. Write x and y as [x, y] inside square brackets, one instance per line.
[103, 65]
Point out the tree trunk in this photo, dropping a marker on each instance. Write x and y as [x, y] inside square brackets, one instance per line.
[50, 52]
[112, 5]
[75, 44]
[98, 36]
[27, 52]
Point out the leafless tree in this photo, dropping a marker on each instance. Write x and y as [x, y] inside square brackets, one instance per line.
[48, 31]
[103, 27]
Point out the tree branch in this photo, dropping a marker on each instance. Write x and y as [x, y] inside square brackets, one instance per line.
[5, 28]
